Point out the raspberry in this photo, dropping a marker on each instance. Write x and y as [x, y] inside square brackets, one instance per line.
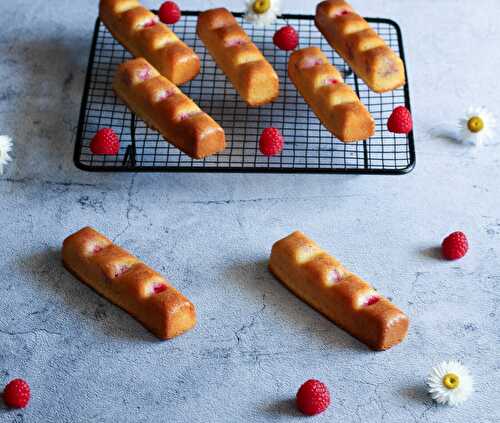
[313, 397]
[400, 121]
[169, 12]
[271, 142]
[455, 246]
[286, 38]
[105, 142]
[16, 394]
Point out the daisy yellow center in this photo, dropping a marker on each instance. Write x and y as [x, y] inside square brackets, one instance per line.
[261, 6]
[475, 124]
[451, 380]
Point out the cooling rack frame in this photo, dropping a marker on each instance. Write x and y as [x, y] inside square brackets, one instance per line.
[372, 156]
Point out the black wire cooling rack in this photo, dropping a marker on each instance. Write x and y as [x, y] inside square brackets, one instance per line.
[309, 147]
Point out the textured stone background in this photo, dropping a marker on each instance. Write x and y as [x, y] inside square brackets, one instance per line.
[255, 343]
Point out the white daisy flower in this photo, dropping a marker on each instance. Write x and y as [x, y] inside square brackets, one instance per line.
[477, 126]
[450, 383]
[262, 12]
[5, 149]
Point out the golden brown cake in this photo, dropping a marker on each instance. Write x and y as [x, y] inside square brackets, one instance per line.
[361, 47]
[141, 32]
[164, 107]
[238, 57]
[335, 103]
[350, 302]
[127, 282]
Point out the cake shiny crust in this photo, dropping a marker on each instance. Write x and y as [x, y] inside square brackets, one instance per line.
[238, 57]
[361, 47]
[164, 107]
[320, 280]
[127, 282]
[141, 32]
[335, 103]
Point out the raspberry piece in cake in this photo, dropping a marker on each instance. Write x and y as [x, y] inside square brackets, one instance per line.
[121, 269]
[144, 74]
[331, 81]
[372, 299]
[236, 42]
[310, 62]
[150, 23]
[159, 288]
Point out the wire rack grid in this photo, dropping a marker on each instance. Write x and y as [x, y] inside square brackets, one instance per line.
[309, 146]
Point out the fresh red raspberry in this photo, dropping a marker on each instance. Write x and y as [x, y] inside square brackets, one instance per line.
[313, 397]
[16, 394]
[455, 246]
[400, 121]
[105, 142]
[271, 142]
[286, 38]
[169, 12]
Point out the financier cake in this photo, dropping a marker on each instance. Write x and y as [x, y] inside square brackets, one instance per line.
[335, 103]
[129, 283]
[167, 109]
[140, 31]
[362, 48]
[238, 57]
[322, 281]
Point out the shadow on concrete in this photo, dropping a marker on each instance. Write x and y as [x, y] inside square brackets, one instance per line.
[90, 310]
[416, 393]
[433, 253]
[284, 407]
[256, 277]
[445, 133]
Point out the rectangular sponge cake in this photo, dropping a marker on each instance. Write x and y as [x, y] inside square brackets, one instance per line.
[167, 109]
[335, 103]
[129, 283]
[360, 46]
[323, 282]
[238, 57]
[140, 32]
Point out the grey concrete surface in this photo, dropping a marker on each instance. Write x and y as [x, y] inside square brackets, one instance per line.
[255, 343]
